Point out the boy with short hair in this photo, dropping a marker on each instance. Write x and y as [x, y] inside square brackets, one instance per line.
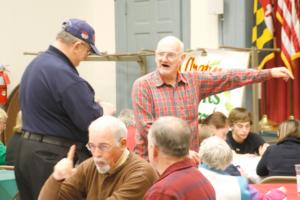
[240, 139]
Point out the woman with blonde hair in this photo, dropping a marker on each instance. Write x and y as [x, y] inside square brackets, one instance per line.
[279, 159]
[3, 119]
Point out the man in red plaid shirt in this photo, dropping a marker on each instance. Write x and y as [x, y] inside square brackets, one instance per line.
[167, 92]
[169, 139]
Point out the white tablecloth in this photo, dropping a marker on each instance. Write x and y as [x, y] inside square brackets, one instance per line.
[248, 163]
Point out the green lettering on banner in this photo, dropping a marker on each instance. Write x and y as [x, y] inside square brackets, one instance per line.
[214, 99]
[214, 61]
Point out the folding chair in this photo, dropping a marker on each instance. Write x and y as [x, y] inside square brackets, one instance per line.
[279, 179]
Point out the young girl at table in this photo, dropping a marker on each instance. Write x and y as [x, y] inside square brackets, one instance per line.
[3, 119]
[240, 139]
[279, 159]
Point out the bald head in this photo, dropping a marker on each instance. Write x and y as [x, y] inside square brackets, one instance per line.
[171, 40]
[172, 136]
[108, 124]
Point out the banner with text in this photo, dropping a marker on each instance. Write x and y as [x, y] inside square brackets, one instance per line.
[215, 60]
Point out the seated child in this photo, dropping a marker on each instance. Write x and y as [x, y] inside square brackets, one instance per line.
[240, 139]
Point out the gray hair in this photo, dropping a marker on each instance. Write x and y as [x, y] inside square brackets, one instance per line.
[67, 37]
[215, 153]
[116, 126]
[172, 136]
[171, 39]
[127, 116]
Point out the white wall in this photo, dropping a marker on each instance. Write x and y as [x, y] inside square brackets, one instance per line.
[31, 25]
[204, 26]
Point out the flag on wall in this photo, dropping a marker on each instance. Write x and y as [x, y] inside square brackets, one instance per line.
[288, 15]
[262, 31]
[281, 99]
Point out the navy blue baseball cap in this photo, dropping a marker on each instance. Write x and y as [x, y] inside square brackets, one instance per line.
[82, 30]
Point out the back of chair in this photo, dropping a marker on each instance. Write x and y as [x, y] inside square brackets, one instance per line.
[279, 179]
[7, 167]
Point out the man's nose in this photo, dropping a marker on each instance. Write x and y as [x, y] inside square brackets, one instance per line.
[97, 152]
[164, 57]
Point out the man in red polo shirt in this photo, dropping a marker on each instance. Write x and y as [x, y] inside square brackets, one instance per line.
[168, 146]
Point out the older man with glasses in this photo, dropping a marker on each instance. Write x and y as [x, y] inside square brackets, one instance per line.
[167, 92]
[112, 173]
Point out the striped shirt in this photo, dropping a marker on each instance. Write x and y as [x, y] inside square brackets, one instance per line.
[152, 98]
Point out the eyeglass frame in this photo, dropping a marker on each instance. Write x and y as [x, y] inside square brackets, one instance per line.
[92, 149]
[89, 51]
[169, 55]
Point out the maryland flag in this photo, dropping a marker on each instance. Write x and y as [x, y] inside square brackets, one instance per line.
[262, 31]
[288, 15]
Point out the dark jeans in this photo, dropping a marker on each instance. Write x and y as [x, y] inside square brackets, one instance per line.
[12, 149]
[35, 162]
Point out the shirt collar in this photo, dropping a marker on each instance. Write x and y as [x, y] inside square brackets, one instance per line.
[54, 50]
[120, 162]
[205, 166]
[183, 164]
[159, 82]
[289, 139]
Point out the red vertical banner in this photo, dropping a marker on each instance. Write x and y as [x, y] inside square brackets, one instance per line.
[281, 99]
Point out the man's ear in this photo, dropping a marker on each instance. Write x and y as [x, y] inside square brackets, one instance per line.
[183, 56]
[76, 45]
[155, 151]
[123, 142]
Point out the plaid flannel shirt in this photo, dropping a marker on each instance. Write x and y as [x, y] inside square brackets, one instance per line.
[152, 98]
[182, 180]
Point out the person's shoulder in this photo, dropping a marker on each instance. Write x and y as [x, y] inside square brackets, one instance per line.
[184, 174]
[190, 74]
[229, 138]
[254, 136]
[146, 77]
[136, 165]
[146, 80]
[271, 148]
[137, 161]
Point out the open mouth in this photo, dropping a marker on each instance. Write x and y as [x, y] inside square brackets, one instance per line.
[164, 65]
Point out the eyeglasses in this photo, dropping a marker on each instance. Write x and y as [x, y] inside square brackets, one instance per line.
[89, 52]
[103, 147]
[168, 55]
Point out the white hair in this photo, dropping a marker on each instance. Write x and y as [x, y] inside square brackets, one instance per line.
[215, 153]
[171, 39]
[117, 127]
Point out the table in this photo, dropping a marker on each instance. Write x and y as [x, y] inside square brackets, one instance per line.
[248, 163]
[290, 187]
[8, 187]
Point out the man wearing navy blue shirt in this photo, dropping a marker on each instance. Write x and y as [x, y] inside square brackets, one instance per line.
[57, 107]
